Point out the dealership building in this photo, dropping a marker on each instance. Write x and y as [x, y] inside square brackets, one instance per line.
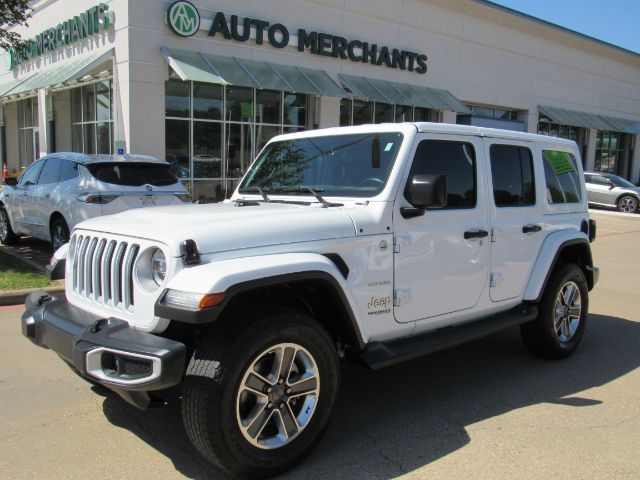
[206, 84]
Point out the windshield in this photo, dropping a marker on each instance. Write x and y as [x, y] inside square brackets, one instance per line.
[619, 181]
[355, 165]
[133, 174]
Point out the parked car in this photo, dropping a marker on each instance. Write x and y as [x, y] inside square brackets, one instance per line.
[373, 244]
[62, 189]
[608, 190]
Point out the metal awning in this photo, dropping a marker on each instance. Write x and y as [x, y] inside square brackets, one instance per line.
[623, 125]
[385, 91]
[574, 118]
[209, 68]
[59, 74]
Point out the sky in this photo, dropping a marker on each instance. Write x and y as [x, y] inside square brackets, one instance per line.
[613, 21]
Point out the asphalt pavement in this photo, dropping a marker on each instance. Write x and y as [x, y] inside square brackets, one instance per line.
[487, 409]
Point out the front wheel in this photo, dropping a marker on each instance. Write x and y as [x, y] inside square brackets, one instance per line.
[7, 235]
[562, 317]
[257, 399]
[628, 204]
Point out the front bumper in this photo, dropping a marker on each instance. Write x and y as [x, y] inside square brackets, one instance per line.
[105, 350]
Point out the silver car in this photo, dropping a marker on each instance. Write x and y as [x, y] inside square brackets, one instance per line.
[608, 190]
[62, 189]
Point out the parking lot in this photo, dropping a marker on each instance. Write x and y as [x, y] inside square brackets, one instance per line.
[483, 410]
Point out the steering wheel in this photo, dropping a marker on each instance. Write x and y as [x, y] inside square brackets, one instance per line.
[371, 181]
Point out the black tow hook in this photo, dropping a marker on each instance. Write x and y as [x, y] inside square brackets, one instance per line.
[99, 325]
[43, 299]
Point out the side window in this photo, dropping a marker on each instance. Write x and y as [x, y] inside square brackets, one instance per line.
[456, 160]
[50, 172]
[561, 174]
[30, 175]
[598, 180]
[68, 170]
[512, 174]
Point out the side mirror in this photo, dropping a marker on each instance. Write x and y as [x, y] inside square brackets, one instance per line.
[11, 181]
[425, 191]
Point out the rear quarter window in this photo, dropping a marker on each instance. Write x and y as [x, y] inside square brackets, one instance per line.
[561, 175]
[133, 174]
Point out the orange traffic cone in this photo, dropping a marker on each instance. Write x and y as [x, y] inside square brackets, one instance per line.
[5, 173]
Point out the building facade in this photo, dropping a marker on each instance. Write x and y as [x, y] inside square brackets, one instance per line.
[206, 84]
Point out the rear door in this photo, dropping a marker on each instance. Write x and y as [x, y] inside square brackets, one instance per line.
[442, 257]
[516, 216]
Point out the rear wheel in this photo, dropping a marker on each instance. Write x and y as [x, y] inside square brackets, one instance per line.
[7, 235]
[628, 204]
[562, 317]
[257, 399]
[59, 233]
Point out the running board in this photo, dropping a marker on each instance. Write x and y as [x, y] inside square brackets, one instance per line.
[382, 354]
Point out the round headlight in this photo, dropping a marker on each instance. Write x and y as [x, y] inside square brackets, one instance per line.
[158, 266]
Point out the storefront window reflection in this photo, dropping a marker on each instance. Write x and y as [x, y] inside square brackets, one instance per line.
[611, 150]
[213, 132]
[358, 112]
[92, 118]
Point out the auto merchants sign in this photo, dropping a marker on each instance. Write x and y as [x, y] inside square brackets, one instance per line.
[184, 19]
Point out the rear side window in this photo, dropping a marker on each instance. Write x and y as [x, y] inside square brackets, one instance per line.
[561, 173]
[456, 160]
[133, 174]
[68, 170]
[512, 174]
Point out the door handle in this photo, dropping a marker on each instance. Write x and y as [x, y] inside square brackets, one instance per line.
[531, 229]
[475, 234]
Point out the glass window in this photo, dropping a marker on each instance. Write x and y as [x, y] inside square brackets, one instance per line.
[88, 103]
[362, 112]
[295, 109]
[76, 105]
[103, 100]
[422, 114]
[264, 133]
[383, 113]
[76, 138]
[68, 170]
[103, 137]
[239, 144]
[561, 174]
[239, 104]
[456, 160]
[337, 165]
[89, 136]
[345, 112]
[50, 172]
[30, 175]
[207, 101]
[177, 147]
[176, 98]
[205, 191]
[268, 105]
[403, 113]
[512, 174]
[207, 150]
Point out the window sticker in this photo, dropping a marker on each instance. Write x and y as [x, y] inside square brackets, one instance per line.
[559, 161]
[388, 147]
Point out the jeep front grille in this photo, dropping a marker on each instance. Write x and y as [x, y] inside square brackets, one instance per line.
[102, 270]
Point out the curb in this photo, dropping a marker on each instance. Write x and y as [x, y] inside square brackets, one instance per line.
[17, 297]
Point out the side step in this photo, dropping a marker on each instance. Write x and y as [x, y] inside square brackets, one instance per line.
[382, 354]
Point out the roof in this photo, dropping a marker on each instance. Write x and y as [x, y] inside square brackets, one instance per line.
[102, 158]
[555, 26]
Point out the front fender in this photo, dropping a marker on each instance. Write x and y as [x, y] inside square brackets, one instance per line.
[548, 257]
[240, 274]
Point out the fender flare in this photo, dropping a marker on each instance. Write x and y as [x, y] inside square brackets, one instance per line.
[238, 275]
[549, 256]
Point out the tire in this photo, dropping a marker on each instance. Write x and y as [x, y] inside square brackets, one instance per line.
[7, 235]
[562, 317]
[627, 204]
[232, 415]
[59, 233]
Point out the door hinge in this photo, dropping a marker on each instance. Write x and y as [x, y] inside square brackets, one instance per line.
[496, 280]
[400, 241]
[401, 296]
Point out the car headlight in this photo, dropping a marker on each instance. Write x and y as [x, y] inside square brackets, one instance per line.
[158, 266]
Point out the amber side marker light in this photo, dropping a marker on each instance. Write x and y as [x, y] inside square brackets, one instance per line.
[211, 300]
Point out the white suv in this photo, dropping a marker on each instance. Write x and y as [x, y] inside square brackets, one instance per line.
[373, 244]
[62, 189]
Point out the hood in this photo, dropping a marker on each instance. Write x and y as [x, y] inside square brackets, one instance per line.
[226, 226]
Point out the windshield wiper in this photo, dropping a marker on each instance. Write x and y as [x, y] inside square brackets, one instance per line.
[256, 188]
[313, 191]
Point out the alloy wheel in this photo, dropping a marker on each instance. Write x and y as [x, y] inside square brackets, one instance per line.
[628, 204]
[568, 309]
[4, 225]
[277, 396]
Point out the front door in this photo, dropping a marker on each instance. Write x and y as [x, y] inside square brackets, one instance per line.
[442, 257]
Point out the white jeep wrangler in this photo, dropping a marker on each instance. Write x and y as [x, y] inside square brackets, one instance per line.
[375, 244]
